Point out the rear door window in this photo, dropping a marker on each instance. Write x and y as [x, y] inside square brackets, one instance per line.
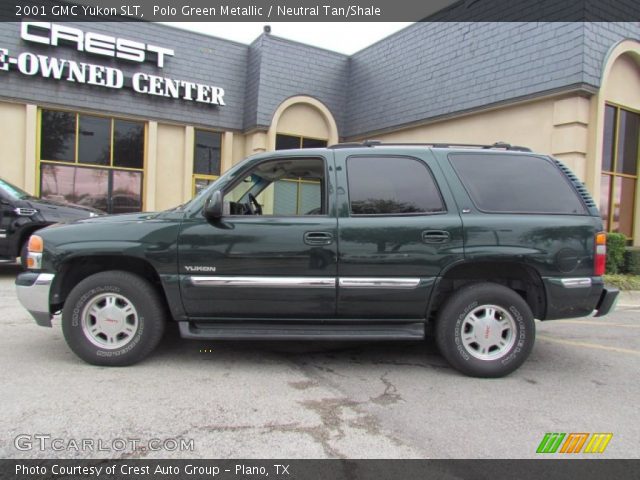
[516, 184]
[391, 186]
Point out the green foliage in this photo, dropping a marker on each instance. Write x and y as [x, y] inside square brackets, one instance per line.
[623, 282]
[632, 261]
[616, 245]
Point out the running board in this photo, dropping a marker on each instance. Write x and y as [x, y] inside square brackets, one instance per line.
[242, 330]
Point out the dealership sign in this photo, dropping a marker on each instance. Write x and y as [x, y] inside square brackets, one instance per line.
[45, 33]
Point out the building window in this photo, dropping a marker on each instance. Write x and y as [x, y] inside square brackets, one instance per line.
[288, 142]
[619, 179]
[206, 158]
[91, 160]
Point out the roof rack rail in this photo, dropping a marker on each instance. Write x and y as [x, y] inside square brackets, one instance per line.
[376, 143]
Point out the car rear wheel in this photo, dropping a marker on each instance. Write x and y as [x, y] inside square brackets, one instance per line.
[485, 330]
[113, 318]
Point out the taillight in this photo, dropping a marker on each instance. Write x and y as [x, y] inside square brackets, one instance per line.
[601, 254]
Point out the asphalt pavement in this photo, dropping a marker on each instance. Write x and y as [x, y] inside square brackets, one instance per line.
[193, 399]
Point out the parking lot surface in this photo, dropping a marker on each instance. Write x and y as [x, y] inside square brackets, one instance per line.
[314, 400]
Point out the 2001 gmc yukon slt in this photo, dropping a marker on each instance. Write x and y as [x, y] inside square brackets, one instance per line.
[364, 241]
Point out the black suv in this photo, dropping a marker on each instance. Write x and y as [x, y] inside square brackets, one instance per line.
[22, 214]
[353, 242]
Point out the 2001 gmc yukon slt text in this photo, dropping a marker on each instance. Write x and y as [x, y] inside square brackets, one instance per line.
[371, 241]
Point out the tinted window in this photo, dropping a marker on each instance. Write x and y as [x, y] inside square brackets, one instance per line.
[287, 142]
[206, 156]
[609, 138]
[94, 143]
[313, 143]
[515, 183]
[391, 185]
[58, 139]
[628, 143]
[128, 144]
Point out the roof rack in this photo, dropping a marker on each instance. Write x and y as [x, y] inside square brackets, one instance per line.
[378, 143]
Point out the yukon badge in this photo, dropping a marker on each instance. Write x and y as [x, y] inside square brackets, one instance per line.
[199, 268]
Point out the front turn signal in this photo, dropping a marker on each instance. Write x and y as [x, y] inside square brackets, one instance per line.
[36, 244]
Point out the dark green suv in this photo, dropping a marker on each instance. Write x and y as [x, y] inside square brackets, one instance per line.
[354, 242]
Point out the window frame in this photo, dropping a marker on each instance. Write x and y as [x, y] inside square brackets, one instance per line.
[585, 211]
[323, 188]
[76, 147]
[444, 210]
[613, 174]
[75, 163]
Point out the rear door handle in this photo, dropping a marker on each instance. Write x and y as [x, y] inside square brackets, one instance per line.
[318, 238]
[436, 236]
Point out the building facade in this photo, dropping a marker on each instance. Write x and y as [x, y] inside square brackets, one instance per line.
[139, 116]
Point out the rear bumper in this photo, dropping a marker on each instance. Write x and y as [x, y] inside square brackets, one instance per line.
[33, 292]
[607, 301]
[577, 297]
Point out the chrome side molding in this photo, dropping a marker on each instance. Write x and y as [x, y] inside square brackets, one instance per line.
[304, 282]
[292, 282]
[375, 282]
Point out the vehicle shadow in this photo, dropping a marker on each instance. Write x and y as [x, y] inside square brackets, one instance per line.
[422, 353]
[9, 270]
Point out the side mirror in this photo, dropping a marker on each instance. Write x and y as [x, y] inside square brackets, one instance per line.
[214, 206]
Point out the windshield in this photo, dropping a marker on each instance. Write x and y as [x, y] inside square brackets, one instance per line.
[13, 192]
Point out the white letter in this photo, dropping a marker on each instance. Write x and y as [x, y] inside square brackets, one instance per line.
[51, 66]
[130, 50]
[30, 37]
[161, 53]
[60, 32]
[28, 63]
[136, 82]
[99, 44]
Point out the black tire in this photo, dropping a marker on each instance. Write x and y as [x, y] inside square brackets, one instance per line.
[464, 318]
[122, 290]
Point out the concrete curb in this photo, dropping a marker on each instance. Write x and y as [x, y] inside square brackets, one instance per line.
[629, 298]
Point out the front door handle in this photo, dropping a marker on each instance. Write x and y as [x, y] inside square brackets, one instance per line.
[436, 236]
[318, 238]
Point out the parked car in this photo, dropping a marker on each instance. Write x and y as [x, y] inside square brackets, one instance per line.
[352, 242]
[21, 214]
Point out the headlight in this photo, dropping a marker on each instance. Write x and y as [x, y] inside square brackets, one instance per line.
[93, 214]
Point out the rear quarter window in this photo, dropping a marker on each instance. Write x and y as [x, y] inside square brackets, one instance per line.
[516, 184]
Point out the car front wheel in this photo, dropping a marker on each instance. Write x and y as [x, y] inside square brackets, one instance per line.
[485, 330]
[113, 318]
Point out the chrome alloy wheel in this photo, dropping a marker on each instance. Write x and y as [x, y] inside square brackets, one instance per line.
[488, 332]
[109, 321]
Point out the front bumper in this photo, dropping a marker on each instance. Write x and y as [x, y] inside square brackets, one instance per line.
[33, 292]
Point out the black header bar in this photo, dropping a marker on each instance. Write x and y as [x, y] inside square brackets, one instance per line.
[323, 10]
[127, 469]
